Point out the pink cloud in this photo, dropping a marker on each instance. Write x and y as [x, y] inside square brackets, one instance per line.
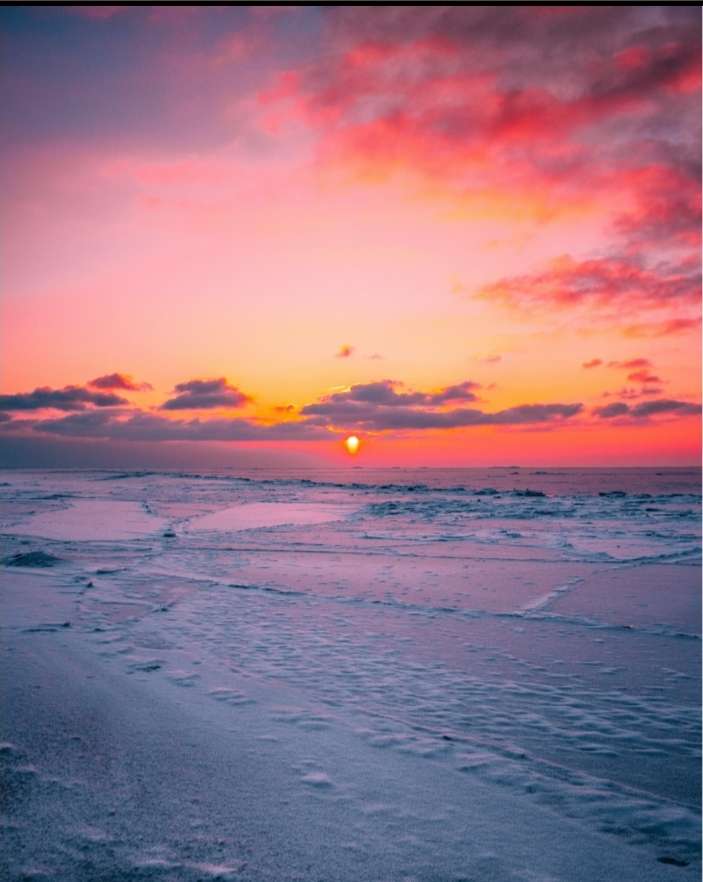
[643, 377]
[630, 364]
[598, 282]
[665, 328]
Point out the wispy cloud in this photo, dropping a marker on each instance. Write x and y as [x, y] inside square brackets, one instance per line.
[631, 363]
[666, 328]
[598, 283]
[643, 377]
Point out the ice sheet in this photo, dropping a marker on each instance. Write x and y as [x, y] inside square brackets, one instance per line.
[254, 515]
[275, 677]
[91, 520]
[644, 595]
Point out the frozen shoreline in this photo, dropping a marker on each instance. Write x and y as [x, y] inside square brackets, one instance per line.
[132, 777]
[302, 701]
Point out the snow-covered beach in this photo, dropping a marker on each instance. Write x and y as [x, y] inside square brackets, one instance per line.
[400, 675]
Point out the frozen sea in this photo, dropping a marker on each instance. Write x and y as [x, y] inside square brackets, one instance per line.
[477, 675]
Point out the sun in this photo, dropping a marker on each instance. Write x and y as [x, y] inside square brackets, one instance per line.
[352, 444]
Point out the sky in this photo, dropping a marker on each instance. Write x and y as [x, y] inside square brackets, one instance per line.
[236, 235]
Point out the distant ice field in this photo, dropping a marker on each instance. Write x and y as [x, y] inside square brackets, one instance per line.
[430, 669]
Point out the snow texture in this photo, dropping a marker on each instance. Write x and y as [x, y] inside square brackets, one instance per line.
[351, 675]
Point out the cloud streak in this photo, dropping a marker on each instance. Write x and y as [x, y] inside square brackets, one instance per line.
[598, 283]
[142, 426]
[647, 409]
[388, 405]
[68, 398]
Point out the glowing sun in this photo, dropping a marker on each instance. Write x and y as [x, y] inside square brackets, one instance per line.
[352, 444]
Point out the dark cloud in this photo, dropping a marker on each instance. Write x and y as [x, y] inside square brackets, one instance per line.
[611, 55]
[391, 393]
[644, 70]
[608, 411]
[665, 405]
[594, 362]
[382, 392]
[371, 410]
[533, 413]
[647, 408]
[142, 426]
[458, 392]
[502, 80]
[68, 398]
[119, 381]
[379, 406]
[206, 394]
[573, 34]
[378, 418]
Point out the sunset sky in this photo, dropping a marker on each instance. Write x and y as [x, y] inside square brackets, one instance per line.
[235, 235]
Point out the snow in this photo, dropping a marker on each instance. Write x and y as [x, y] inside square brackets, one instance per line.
[268, 677]
[251, 516]
[92, 520]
